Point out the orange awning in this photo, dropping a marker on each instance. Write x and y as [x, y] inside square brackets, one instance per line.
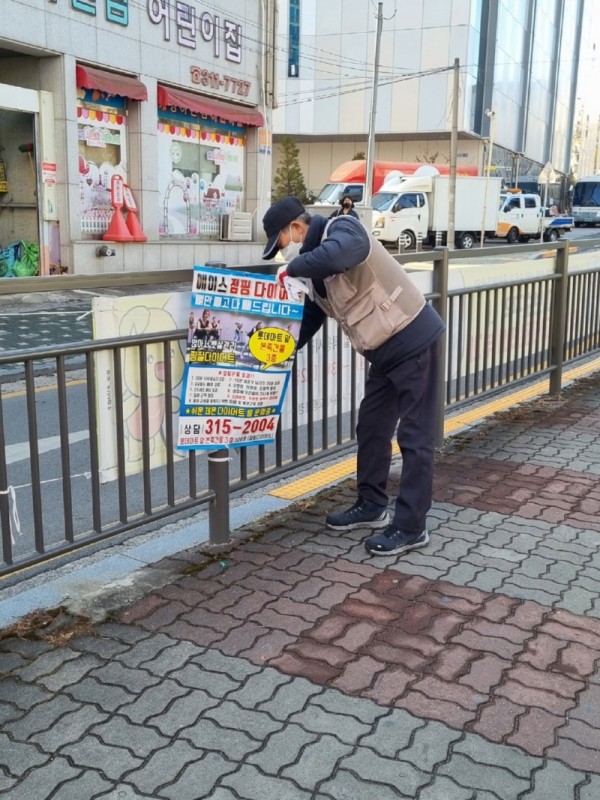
[242, 115]
[111, 83]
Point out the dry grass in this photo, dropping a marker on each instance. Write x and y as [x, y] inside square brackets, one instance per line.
[55, 626]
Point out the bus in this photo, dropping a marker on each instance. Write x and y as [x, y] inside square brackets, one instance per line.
[586, 201]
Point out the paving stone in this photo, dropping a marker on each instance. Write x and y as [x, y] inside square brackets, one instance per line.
[575, 755]
[164, 766]
[70, 672]
[28, 648]
[488, 580]
[553, 780]
[6, 784]
[503, 783]
[68, 728]
[388, 771]
[90, 784]
[392, 733]
[257, 724]
[99, 645]
[591, 789]
[445, 789]
[316, 671]
[283, 748]
[129, 634]
[152, 648]
[347, 729]
[236, 668]
[317, 761]
[42, 781]
[10, 662]
[9, 712]
[45, 664]
[107, 697]
[428, 746]
[123, 791]
[194, 676]
[248, 782]
[339, 703]
[91, 752]
[346, 786]
[40, 718]
[289, 698]
[19, 757]
[119, 732]
[183, 711]
[268, 647]
[509, 758]
[153, 700]
[234, 745]
[22, 695]
[133, 681]
[258, 689]
[198, 779]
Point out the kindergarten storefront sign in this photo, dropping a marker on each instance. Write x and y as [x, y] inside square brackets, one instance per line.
[242, 333]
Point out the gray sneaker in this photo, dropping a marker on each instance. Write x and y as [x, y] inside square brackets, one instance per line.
[362, 515]
[394, 542]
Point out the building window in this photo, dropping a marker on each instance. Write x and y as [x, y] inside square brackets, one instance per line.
[294, 40]
[102, 139]
[200, 174]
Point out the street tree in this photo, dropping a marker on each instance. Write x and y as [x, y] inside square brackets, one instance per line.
[288, 179]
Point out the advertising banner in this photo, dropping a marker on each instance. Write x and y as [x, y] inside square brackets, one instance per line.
[242, 334]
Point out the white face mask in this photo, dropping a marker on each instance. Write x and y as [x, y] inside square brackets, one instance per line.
[293, 248]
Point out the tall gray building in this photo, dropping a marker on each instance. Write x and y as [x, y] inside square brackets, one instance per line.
[518, 59]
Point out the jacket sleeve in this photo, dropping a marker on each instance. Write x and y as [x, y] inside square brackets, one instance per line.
[312, 320]
[346, 245]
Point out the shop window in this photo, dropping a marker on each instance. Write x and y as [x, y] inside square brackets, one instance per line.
[102, 149]
[200, 174]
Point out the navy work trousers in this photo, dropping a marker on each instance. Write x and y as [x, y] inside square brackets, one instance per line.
[407, 397]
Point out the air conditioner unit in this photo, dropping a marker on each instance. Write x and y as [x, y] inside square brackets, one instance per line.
[236, 227]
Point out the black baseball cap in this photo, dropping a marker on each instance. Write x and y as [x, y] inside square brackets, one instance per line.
[275, 220]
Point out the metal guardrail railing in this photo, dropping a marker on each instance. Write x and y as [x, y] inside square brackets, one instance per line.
[502, 332]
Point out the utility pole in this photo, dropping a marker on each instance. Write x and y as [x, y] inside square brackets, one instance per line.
[371, 143]
[453, 149]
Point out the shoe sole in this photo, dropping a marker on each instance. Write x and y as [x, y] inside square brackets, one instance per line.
[399, 550]
[374, 525]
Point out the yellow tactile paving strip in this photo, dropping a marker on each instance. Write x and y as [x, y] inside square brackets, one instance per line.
[323, 477]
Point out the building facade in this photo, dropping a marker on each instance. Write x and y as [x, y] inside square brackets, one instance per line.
[518, 76]
[148, 119]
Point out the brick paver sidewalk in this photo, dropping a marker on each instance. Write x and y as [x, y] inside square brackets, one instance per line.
[297, 667]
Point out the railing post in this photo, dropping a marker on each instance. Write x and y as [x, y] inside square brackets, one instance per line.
[218, 509]
[440, 288]
[559, 317]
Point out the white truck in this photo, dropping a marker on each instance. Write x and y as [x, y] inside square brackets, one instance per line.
[417, 207]
[522, 217]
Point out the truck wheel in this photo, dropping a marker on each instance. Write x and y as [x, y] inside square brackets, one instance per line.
[407, 240]
[465, 241]
[512, 237]
[578, 224]
[552, 235]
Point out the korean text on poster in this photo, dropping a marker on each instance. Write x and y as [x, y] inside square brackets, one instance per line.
[242, 334]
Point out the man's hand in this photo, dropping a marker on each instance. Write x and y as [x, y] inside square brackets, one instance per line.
[282, 274]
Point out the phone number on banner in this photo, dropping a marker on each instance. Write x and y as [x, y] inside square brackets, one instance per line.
[226, 430]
